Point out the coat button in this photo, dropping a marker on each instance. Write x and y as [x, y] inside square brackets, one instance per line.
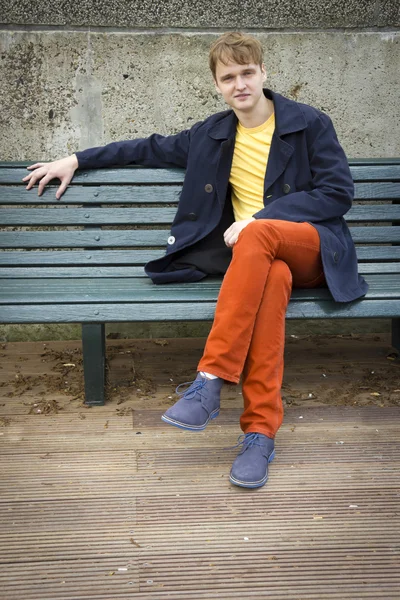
[335, 256]
[286, 188]
[209, 188]
[192, 217]
[171, 240]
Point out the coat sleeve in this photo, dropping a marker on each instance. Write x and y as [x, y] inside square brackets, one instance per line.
[154, 151]
[332, 185]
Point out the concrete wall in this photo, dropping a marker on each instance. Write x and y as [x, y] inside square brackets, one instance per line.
[204, 14]
[143, 68]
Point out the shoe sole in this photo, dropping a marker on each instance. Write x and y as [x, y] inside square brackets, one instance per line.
[253, 484]
[187, 427]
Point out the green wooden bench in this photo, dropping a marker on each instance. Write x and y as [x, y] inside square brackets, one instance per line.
[80, 260]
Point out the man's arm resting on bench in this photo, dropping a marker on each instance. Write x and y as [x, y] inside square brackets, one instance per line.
[155, 151]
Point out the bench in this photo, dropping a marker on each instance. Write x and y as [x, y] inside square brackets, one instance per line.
[80, 260]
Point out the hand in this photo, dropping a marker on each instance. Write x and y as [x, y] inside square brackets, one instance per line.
[62, 169]
[232, 233]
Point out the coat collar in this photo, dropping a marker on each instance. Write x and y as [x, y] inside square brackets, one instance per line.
[288, 118]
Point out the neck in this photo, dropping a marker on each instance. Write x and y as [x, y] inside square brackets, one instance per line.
[259, 114]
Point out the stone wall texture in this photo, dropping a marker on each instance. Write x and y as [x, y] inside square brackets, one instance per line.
[256, 14]
[64, 91]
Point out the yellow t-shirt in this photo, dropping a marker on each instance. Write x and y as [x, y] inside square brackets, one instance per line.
[250, 157]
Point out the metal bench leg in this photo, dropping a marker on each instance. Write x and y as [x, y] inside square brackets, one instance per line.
[396, 334]
[94, 354]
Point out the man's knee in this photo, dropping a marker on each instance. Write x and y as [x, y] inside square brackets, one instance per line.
[280, 272]
[260, 234]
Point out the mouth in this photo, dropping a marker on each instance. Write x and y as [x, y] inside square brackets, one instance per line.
[242, 95]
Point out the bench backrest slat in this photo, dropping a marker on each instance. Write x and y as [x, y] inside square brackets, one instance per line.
[150, 237]
[79, 257]
[123, 194]
[152, 194]
[135, 175]
[89, 216]
[118, 176]
[151, 216]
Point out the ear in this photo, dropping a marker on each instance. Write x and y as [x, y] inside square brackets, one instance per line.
[264, 73]
[216, 86]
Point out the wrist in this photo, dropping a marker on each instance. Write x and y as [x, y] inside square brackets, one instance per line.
[74, 161]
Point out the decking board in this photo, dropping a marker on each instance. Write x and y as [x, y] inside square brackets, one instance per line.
[110, 503]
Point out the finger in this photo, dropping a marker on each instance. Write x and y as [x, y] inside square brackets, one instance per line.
[230, 240]
[34, 174]
[35, 166]
[32, 181]
[230, 230]
[61, 189]
[33, 178]
[44, 181]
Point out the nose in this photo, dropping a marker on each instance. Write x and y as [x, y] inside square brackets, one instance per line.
[240, 83]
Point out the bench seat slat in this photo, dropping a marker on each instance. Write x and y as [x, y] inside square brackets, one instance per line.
[132, 175]
[125, 271]
[69, 291]
[179, 311]
[145, 237]
[62, 258]
[143, 216]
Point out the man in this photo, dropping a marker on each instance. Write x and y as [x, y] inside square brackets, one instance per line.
[266, 187]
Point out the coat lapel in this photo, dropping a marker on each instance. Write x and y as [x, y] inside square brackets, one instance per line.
[278, 158]
[288, 119]
[224, 130]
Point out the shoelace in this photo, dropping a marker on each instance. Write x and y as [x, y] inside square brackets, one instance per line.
[246, 440]
[194, 388]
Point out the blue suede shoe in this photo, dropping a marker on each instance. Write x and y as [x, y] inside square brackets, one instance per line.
[250, 468]
[197, 406]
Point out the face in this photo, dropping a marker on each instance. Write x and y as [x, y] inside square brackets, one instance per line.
[240, 85]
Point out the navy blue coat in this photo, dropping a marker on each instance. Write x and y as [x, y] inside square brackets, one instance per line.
[307, 180]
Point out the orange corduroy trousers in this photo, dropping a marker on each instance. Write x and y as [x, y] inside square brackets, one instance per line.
[247, 337]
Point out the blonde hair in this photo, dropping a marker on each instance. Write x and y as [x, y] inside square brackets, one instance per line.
[235, 47]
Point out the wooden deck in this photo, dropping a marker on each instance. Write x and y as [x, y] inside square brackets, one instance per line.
[110, 503]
